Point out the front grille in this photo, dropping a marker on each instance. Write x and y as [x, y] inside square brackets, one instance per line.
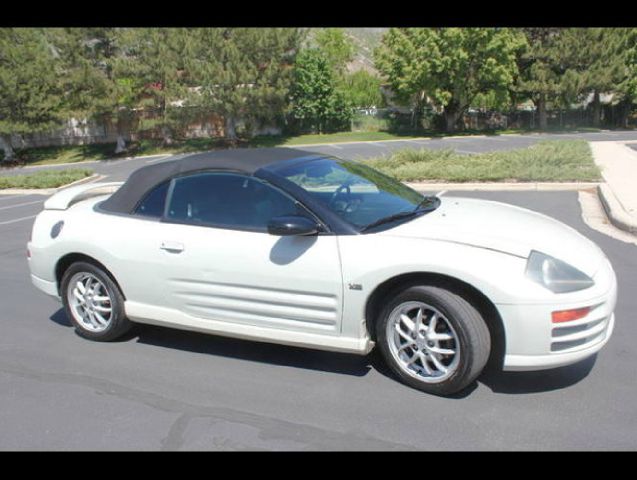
[581, 334]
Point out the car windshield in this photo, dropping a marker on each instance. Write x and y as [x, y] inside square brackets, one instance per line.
[360, 195]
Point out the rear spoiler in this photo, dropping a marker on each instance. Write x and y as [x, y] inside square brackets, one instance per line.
[67, 197]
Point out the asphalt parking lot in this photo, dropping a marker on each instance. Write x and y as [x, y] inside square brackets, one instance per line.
[165, 389]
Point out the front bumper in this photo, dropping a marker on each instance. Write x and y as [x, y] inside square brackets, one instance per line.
[553, 360]
[533, 342]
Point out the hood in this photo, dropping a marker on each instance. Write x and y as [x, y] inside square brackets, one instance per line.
[505, 228]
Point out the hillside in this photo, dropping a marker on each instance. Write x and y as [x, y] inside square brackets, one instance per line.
[365, 40]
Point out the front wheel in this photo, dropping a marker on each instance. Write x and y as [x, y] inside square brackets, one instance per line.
[433, 339]
[94, 303]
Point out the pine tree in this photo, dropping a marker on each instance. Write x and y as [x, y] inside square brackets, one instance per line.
[243, 73]
[31, 98]
[152, 68]
[91, 81]
[541, 73]
[598, 68]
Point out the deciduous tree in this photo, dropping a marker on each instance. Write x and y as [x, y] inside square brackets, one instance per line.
[448, 67]
[317, 102]
[363, 89]
[337, 47]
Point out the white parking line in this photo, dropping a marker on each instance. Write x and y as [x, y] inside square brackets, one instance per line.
[440, 194]
[9, 197]
[334, 146]
[17, 220]
[21, 204]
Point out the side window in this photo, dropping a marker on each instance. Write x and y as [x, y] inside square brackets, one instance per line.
[228, 200]
[153, 203]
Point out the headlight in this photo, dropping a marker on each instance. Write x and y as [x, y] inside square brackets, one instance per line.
[557, 276]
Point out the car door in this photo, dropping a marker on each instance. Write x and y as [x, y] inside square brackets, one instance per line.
[219, 262]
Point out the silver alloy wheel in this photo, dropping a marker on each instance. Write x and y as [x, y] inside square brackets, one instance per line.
[89, 302]
[423, 342]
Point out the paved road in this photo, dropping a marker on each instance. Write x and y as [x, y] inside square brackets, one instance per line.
[117, 170]
[165, 389]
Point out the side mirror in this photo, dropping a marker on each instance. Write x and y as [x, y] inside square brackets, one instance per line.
[292, 225]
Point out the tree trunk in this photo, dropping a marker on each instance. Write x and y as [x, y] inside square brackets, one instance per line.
[5, 144]
[624, 112]
[167, 139]
[121, 141]
[596, 109]
[541, 111]
[230, 128]
[121, 144]
[451, 119]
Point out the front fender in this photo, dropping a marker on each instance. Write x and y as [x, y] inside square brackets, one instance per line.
[368, 261]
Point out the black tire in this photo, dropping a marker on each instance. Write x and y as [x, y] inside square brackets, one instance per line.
[118, 324]
[472, 332]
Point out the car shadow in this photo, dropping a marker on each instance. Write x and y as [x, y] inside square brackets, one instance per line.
[253, 351]
[537, 381]
[513, 383]
[60, 318]
[284, 355]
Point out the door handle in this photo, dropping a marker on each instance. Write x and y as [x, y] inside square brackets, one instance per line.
[172, 247]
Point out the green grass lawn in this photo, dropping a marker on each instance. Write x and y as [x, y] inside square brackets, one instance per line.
[550, 161]
[45, 179]
[66, 154]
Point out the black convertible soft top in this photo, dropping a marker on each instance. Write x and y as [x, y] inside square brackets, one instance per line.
[247, 161]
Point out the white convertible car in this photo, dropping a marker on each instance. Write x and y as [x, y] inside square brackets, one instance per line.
[286, 246]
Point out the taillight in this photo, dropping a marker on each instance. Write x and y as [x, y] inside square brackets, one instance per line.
[569, 315]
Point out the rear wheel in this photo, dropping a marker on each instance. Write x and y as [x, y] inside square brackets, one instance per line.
[93, 302]
[433, 339]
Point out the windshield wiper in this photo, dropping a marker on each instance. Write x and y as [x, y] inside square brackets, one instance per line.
[390, 218]
[433, 202]
[420, 208]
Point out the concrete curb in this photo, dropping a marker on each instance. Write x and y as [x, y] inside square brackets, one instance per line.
[505, 186]
[614, 209]
[615, 160]
[49, 191]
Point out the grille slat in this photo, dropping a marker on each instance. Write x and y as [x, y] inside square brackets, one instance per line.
[569, 337]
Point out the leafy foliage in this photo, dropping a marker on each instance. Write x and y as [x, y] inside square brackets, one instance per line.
[448, 66]
[317, 103]
[363, 89]
[337, 47]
